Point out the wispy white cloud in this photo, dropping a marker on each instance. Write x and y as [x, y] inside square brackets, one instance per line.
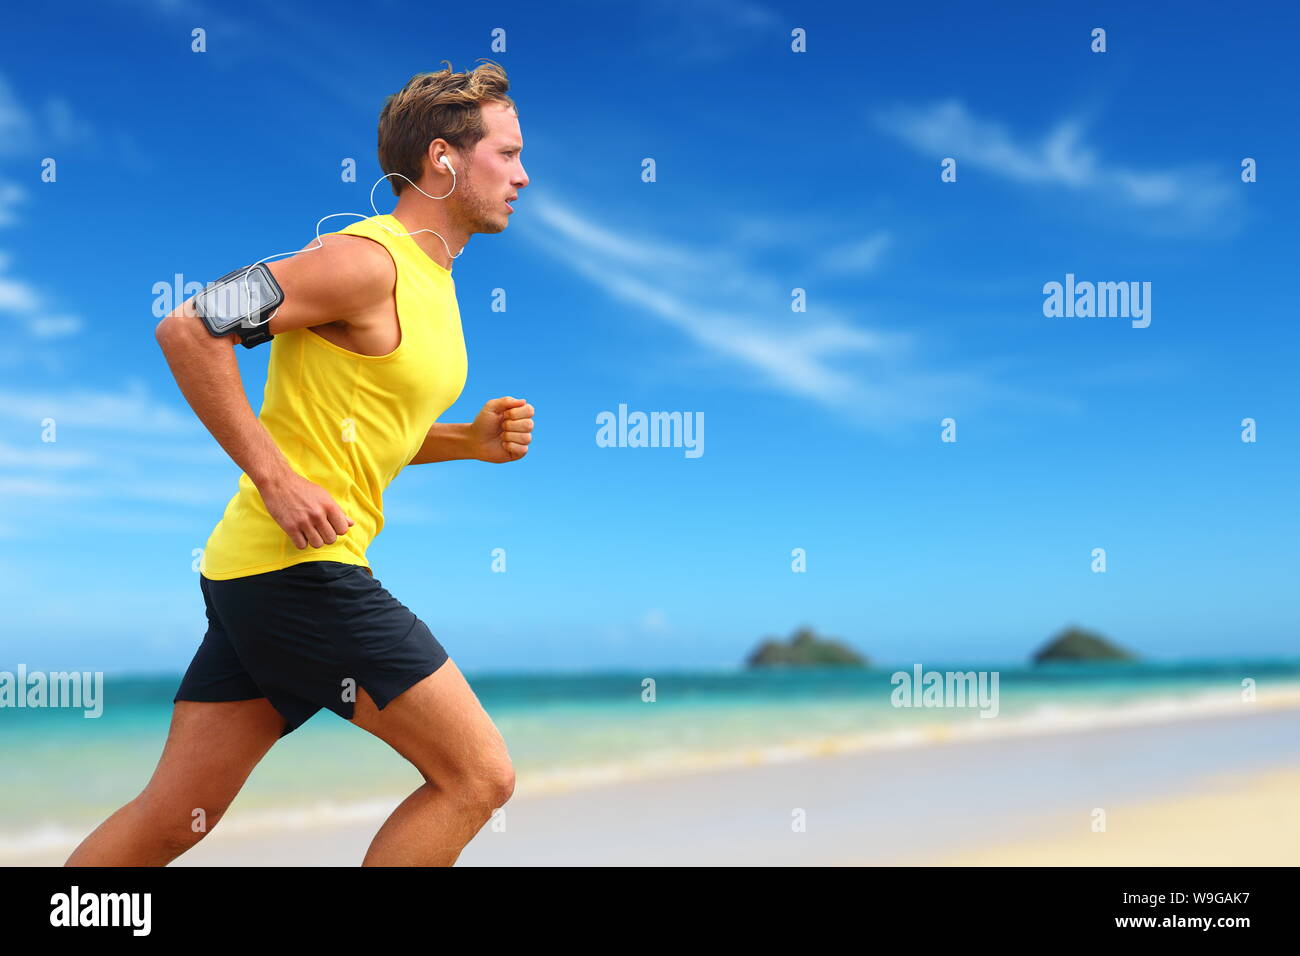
[17, 296]
[37, 460]
[54, 326]
[45, 456]
[854, 259]
[11, 195]
[1186, 198]
[120, 456]
[20, 300]
[53, 123]
[15, 123]
[23, 303]
[739, 314]
[793, 234]
[713, 299]
[133, 410]
[150, 493]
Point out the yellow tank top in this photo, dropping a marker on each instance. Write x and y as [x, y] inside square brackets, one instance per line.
[349, 422]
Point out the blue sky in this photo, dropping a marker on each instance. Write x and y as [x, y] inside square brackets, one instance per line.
[775, 170]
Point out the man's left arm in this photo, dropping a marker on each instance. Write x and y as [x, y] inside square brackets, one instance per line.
[501, 432]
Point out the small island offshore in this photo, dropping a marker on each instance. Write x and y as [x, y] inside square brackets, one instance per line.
[1076, 644]
[806, 649]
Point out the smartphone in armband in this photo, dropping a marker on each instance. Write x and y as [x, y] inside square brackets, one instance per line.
[241, 302]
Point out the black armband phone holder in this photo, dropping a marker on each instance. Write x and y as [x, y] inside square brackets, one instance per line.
[241, 302]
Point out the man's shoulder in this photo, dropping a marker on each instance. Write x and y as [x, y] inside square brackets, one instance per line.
[359, 254]
[352, 265]
[332, 280]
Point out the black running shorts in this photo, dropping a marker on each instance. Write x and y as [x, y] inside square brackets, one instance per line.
[305, 637]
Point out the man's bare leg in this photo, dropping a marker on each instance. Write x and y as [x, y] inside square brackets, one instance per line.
[210, 751]
[441, 728]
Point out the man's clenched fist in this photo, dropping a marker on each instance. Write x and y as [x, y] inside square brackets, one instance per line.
[502, 430]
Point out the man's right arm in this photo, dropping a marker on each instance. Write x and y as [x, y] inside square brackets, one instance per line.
[207, 372]
[338, 282]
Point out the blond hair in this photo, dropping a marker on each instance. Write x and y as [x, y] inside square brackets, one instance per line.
[430, 106]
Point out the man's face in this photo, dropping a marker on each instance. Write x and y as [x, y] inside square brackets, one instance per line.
[494, 173]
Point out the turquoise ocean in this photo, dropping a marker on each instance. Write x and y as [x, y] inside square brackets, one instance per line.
[63, 772]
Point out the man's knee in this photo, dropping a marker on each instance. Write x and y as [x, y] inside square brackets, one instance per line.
[176, 826]
[485, 788]
[503, 785]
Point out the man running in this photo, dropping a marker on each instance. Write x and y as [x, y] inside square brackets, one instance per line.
[367, 353]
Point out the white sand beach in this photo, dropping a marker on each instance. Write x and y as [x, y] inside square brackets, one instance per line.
[1212, 789]
[1198, 791]
[1230, 821]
